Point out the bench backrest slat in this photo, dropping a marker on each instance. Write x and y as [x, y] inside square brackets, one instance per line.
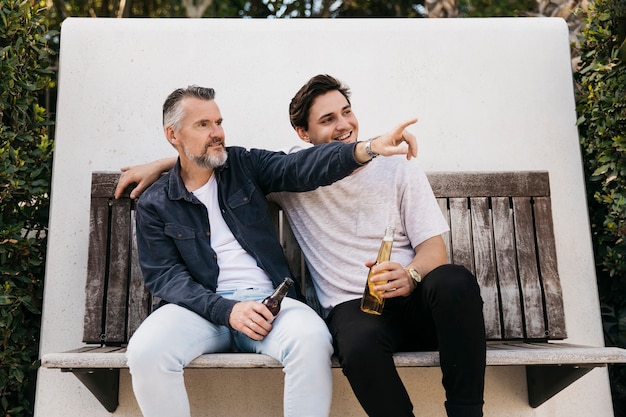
[506, 266]
[500, 229]
[117, 286]
[528, 271]
[139, 299]
[96, 271]
[549, 268]
[461, 233]
[484, 264]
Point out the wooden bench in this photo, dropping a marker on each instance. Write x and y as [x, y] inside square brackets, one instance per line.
[501, 229]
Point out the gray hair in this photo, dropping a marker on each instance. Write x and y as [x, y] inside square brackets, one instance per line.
[172, 111]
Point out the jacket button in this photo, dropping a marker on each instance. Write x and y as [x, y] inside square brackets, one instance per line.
[208, 233]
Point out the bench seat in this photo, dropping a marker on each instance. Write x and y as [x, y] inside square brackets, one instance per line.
[550, 366]
[498, 354]
[500, 229]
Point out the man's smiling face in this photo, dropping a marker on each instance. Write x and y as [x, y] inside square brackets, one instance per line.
[330, 119]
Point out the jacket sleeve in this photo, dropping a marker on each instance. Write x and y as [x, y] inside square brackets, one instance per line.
[304, 170]
[165, 272]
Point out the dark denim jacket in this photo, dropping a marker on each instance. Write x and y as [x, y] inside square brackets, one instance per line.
[174, 235]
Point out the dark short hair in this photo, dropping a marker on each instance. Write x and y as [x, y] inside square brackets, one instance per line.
[301, 103]
[173, 113]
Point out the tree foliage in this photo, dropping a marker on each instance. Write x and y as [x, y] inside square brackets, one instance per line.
[26, 149]
[25, 161]
[601, 108]
[496, 8]
[62, 9]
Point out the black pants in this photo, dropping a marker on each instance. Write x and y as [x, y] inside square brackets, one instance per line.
[443, 313]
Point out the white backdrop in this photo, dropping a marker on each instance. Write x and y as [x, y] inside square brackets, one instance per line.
[491, 94]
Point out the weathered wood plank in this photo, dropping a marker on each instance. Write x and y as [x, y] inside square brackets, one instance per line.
[119, 269]
[484, 260]
[489, 184]
[532, 296]
[96, 270]
[460, 233]
[506, 265]
[444, 184]
[546, 246]
[103, 185]
[139, 298]
[443, 206]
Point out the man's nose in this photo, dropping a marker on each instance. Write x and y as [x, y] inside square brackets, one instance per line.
[215, 131]
[342, 123]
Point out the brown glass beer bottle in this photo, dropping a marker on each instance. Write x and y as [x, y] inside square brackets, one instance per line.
[272, 302]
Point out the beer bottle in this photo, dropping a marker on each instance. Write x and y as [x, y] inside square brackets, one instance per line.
[372, 302]
[272, 301]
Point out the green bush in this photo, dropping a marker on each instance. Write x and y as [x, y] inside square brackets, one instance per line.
[25, 164]
[601, 108]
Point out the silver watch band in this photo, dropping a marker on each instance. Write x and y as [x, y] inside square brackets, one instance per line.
[368, 148]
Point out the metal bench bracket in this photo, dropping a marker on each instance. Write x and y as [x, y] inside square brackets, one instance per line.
[545, 381]
[103, 383]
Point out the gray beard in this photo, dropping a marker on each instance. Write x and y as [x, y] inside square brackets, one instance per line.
[211, 161]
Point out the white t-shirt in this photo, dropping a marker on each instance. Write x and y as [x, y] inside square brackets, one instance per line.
[238, 269]
[340, 226]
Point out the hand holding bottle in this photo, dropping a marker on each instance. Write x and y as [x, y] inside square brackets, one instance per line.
[255, 319]
[372, 301]
[252, 319]
[390, 279]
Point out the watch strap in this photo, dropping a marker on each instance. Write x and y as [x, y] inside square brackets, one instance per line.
[368, 148]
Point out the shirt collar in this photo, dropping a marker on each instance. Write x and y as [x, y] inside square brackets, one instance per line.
[177, 189]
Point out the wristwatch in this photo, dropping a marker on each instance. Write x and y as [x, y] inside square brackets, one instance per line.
[368, 148]
[415, 275]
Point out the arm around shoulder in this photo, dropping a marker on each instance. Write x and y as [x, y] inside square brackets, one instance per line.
[143, 175]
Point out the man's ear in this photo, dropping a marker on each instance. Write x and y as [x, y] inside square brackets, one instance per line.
[170, 134]
[303, 134]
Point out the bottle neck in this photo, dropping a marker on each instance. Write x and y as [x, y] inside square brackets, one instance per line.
[384, 253]
[283, 288]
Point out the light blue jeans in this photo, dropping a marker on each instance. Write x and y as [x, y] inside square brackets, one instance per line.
[173, 336]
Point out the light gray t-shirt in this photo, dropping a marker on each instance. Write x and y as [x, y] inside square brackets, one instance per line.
[340, 226]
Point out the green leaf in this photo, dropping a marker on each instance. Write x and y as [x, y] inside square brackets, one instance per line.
[6, 300]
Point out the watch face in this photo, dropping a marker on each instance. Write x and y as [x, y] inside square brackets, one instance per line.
[415, 275]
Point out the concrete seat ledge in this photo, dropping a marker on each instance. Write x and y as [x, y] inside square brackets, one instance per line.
[498, 354]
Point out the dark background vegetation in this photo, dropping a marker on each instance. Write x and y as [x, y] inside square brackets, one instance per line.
[29, 41]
